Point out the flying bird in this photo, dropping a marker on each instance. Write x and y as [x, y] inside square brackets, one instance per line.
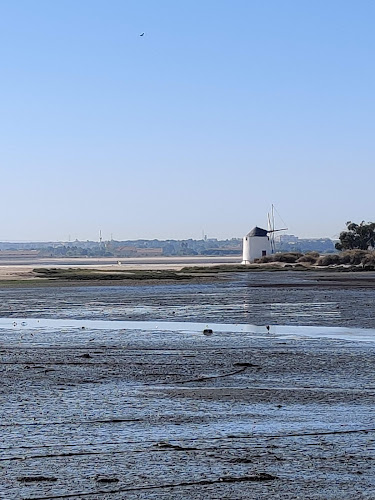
[142, 34]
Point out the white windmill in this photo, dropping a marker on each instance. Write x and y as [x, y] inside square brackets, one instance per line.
[260, 242]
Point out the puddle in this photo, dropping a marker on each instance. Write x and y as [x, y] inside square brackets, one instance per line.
[193, 328]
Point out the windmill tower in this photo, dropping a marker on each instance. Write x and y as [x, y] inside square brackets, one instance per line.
[255, 244]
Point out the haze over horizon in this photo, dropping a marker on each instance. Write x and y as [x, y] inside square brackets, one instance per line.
[219, 110]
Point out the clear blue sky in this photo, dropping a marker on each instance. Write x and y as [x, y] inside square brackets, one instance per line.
[219, 110]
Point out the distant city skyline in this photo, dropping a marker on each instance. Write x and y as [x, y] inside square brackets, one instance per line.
[285, 237]
[219, 110]
[155, 248]
[109, 237]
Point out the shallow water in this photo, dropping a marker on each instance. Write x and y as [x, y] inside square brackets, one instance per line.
[253, 298]
[68, 327]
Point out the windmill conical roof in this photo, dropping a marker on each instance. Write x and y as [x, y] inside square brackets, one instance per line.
[257, 231]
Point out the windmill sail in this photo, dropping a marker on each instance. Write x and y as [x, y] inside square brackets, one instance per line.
[271, 227]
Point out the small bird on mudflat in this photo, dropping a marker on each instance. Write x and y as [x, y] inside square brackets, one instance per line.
[268, 328]
[142, 34]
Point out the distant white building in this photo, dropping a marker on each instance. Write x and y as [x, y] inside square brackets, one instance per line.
[287, 238]
[255, 244]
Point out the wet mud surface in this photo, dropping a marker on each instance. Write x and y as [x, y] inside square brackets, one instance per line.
[125, 412]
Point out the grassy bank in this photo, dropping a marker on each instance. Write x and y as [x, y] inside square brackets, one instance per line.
[80, 274]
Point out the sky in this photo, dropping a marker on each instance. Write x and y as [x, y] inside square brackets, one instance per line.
[221, 109]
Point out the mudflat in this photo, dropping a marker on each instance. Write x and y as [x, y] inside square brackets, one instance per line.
[97, 405]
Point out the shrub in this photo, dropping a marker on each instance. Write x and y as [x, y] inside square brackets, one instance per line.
[328, 260]
[353, 257]
[289, 257]
[265, 259]
[310, 257]
[368, 261]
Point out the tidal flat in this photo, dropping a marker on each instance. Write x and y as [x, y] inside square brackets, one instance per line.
[114, 392]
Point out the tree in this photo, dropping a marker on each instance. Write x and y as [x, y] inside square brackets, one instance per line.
[358, 236]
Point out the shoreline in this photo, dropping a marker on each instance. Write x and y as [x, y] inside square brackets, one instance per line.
[76, 272]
